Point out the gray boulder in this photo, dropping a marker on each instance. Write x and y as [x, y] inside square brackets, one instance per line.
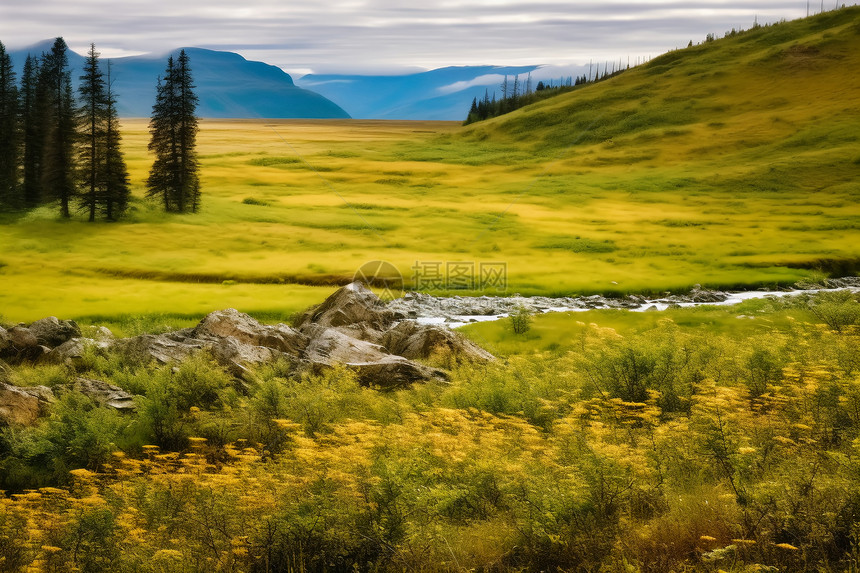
[5, 341]
[352, 304]
[235, 355]
[105, 394]
[372, 362]
[161, 348]
[246, 330]
[72, 351]
[395, 372]
[414, 341]
[23, 344]
[52, 332]
[102, 333]
[330, 346]
[23, 405]
[362, 331]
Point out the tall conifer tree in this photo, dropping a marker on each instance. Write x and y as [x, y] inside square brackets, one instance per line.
[93, 120]
[103, 174]
[32, 122]
[58, 158]
[173, 127]
[117, 191]
[9, 148]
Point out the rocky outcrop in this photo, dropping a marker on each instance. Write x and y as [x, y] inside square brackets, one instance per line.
[30, 343]
[23, 405]
[52, 332]
[102, 334]
[351, 327]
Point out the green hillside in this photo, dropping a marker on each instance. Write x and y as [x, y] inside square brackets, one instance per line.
[763, 125]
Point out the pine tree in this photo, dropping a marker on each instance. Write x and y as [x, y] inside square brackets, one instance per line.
[58, 161]
[162, 142]
[31, 128]
[173, 127]
[8, 131]
[92, 121]
[103, 174]
[117, 190]
[473, 112]
[188, 127]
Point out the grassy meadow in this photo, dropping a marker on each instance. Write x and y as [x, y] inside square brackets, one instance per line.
[730, 163]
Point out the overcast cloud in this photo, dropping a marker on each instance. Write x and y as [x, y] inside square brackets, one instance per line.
[356, 36]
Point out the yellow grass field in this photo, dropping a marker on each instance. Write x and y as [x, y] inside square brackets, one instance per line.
[727, 164]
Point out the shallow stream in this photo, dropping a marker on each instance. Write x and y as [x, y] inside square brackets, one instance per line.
[457, 311]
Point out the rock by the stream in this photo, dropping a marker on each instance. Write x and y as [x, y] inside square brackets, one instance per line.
[412, 340]
[843, 282]
[23, 405]
[349, 305]
[698, 294]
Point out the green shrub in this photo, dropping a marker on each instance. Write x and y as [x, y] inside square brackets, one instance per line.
[255, 201]
[175, 394]
[838, 310]
[521, 320]
[78, 434]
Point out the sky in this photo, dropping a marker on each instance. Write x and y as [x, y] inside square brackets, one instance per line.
[392, 36]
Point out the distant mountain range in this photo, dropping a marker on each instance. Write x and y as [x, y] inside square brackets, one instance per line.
[229, 86]
[444, 94]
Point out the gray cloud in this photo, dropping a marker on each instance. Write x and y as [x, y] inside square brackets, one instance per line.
[382, 35]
